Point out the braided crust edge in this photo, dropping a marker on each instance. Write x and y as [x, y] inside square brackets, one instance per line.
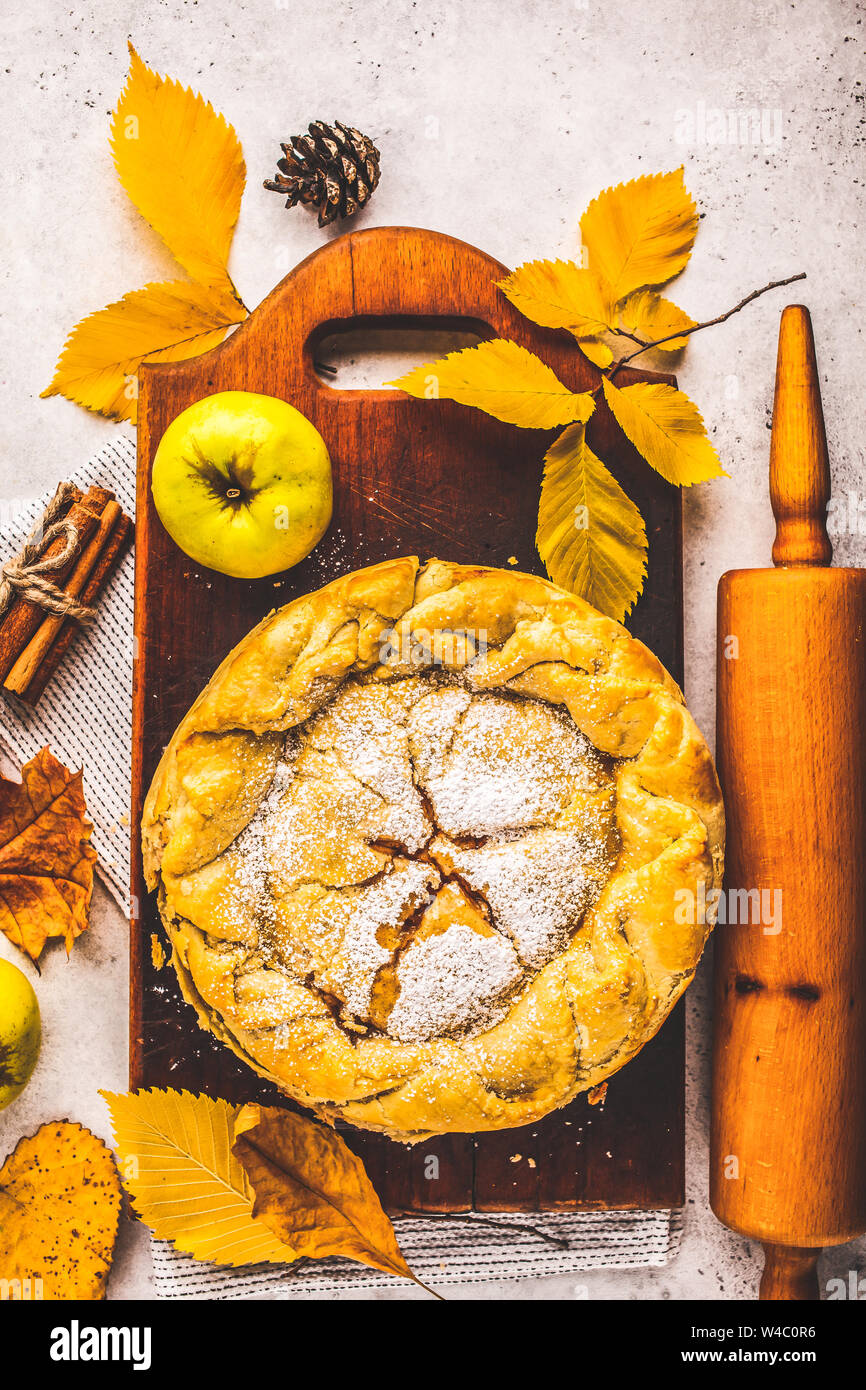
[588, 1011]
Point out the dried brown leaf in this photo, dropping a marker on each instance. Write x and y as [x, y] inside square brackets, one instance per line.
[312, 1191]
[46, 860]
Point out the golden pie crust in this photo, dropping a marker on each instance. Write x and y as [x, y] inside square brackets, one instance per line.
[426, 845]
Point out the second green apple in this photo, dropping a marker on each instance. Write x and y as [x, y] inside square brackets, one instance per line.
[242, 483]
[20, 1031]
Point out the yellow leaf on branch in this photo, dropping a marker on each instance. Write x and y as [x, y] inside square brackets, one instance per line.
[640, 233]
[184, 1180]
[650, 317]
[60, 1200]
[667, 429]
[591, 536]
[313, 1192]
[503, 379]
[165, 322]
[596, 350]
[559, 294]
[182, 165]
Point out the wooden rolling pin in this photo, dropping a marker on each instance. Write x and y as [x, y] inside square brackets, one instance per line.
[788, 1149]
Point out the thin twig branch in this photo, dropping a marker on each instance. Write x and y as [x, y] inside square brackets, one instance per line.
[513, 1228]
[708, 323]
[624, 333]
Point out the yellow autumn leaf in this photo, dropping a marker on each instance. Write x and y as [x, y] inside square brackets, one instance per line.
[596, 350]
[166, 322]
[590, 536]
[185, 1182]
[182, 165]
[650, 317]
[667, 429]
[640, 233]
[503, 379]
[559, 294]
[60, 1201]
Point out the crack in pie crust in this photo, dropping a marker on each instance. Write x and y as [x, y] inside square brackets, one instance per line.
[420, 845]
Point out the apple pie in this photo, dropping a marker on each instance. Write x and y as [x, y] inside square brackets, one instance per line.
[428, 848]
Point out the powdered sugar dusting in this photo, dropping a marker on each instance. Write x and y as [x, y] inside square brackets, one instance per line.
[350, 925]
[536, 886]
[364, 730]
[504, 766]
[453, 983]
[424, 850]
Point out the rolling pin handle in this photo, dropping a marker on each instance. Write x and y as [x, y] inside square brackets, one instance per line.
[791, 1273]
[799, 466]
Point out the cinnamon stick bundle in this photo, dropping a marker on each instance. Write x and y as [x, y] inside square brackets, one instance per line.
[115, 549]
[23, 617]
[34, 641]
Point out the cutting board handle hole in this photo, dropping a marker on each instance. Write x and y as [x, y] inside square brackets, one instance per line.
[364, 354]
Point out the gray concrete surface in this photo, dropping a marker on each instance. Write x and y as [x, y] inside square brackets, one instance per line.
[497, 122]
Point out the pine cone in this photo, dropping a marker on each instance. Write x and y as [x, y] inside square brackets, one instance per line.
[334, 169]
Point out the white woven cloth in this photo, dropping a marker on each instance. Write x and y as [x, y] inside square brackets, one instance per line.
[447, 1250]
[87, 707]
[85, 715]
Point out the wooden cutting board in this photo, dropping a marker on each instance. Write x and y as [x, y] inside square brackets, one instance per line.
[410, 477]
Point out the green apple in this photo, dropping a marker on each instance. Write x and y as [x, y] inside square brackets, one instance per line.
[20, 1032]
[242, 483]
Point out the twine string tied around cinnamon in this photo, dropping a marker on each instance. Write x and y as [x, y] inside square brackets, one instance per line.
[26, 572]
